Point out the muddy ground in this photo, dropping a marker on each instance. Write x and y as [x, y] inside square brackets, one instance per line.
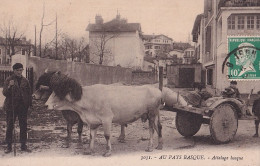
[47, 133]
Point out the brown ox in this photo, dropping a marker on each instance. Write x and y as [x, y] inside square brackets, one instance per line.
[106, 104]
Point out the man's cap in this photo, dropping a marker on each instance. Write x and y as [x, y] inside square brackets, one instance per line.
[233, 82]
[17, 66]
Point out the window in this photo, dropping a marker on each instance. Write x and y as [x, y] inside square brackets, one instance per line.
[23, 51]
[8, 51]
[0, 51]
[148, 47]
[240, 22]
[157, 47]
[231, 22]
[250, 22]
[258, 22]
[188, 54]
[8, 61]
[209, 76]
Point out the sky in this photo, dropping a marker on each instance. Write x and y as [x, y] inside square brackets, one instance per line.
[174, 18]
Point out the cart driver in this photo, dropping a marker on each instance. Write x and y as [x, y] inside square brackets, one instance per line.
[232, 90]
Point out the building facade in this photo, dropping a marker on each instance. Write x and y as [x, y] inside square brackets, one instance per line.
[220, 20]
[116, 43]
[156, 43]
[17, 47]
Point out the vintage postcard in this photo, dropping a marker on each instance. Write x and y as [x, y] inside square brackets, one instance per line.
[119, 82]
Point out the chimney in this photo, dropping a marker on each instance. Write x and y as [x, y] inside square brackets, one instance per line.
[99, 19]
[118, 16]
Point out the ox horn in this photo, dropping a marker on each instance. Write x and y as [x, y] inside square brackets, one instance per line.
[46, 70]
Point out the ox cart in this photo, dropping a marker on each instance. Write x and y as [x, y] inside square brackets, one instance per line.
[220, 113]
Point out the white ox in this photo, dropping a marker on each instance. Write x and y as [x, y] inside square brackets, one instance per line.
[105, 104]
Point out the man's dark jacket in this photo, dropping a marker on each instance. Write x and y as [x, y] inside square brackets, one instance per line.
[21, 95]
[256, 107]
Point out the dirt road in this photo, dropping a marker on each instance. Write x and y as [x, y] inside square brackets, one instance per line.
[47, 132]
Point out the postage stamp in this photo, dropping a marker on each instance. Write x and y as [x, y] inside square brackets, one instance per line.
[244, 59]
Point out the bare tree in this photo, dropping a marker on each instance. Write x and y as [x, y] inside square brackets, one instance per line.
[12, 38]
[74, 49]
[42, 26]
[100, 47]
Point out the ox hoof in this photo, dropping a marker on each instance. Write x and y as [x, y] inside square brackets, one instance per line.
[66, 145]
[89, 152]
[121, 139]
[79, 146]
[149, 149]
[159, 147]
[107, 154]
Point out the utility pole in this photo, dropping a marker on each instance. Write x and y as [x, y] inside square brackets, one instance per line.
[35, 47]
[56, 43]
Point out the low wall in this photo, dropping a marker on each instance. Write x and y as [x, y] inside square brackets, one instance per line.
[85, 74]
[144, 77]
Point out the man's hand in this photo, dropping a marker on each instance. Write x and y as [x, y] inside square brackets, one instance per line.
[11, 83]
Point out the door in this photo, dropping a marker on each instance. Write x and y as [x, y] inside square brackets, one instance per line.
[186, 77]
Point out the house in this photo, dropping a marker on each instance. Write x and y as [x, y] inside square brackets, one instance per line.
[189, 56]
[16, 46]
[149, 63]
[212, 29]
[180, 45]
[116, 42]
[156, 43]
[186, 56]
[197, 36]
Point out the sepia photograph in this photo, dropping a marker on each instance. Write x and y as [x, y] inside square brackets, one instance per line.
[120, 82]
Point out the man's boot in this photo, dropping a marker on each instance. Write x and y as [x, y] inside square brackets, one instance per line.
[24, 148]
[8, 149]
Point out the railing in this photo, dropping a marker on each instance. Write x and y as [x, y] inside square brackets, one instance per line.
[3, 75]
[238, 3]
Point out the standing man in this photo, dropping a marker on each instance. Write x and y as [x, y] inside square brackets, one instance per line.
[256, 111]
[18, 99]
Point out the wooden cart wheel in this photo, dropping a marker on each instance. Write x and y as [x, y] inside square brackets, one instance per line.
[188, 124]
[223, 123]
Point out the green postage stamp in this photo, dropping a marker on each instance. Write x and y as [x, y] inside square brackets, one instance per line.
[244, 61]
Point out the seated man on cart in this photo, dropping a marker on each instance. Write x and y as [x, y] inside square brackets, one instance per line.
[232, 91]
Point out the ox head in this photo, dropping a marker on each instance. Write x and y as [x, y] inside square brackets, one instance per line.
[63, 85]
[65, 91]
[60, 83]
[43, 89]
[55, 103]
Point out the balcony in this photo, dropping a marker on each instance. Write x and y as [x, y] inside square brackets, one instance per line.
[238, 3]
